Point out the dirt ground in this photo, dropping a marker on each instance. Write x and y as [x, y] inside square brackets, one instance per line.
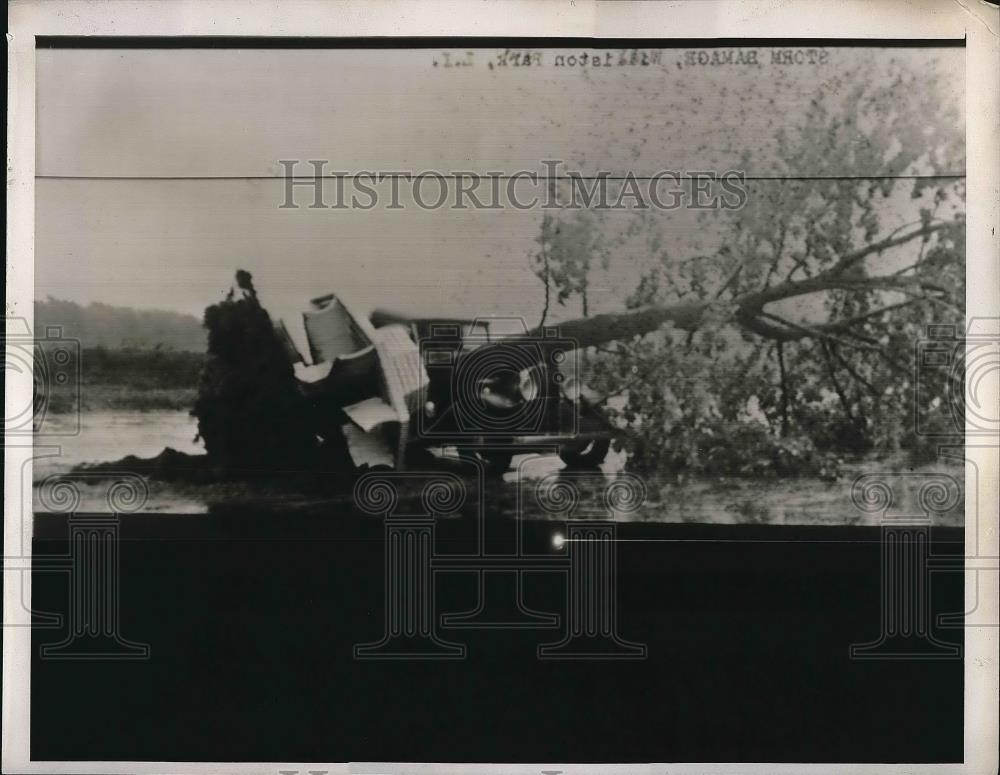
[111, 435]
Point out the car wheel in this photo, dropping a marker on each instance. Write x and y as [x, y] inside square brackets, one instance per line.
[588, 453]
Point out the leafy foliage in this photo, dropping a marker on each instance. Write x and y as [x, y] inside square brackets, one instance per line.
[811, 301]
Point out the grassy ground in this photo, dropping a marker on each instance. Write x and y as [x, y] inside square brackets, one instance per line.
[95, 397]
[126, 379]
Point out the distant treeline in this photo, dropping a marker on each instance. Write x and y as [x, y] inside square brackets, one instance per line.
[102, 325]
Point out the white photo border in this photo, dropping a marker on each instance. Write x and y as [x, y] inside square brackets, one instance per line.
[977, 23]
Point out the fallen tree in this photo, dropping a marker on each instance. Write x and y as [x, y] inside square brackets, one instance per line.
[748, 309]
[792, 321]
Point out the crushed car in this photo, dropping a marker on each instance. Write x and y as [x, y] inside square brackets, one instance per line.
[399, 386]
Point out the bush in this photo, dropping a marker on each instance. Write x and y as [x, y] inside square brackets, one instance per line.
[732, 449]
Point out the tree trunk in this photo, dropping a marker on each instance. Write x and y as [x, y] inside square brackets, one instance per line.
[611, 327]
[748, 308]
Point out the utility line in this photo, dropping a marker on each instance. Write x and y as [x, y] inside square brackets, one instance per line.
[541, 177]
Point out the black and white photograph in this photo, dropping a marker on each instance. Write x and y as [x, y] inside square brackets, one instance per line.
[503, 399]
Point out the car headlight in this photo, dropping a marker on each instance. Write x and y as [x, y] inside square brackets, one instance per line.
[571, 389]
[528, 385]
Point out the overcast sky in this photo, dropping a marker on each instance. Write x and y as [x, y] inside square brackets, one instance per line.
[174, 244]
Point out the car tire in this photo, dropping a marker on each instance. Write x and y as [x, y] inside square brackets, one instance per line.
[588, 453]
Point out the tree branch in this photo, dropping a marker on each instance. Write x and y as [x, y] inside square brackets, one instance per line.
[850, 370]
[885, 244]
[844, 403]
[749, 307]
